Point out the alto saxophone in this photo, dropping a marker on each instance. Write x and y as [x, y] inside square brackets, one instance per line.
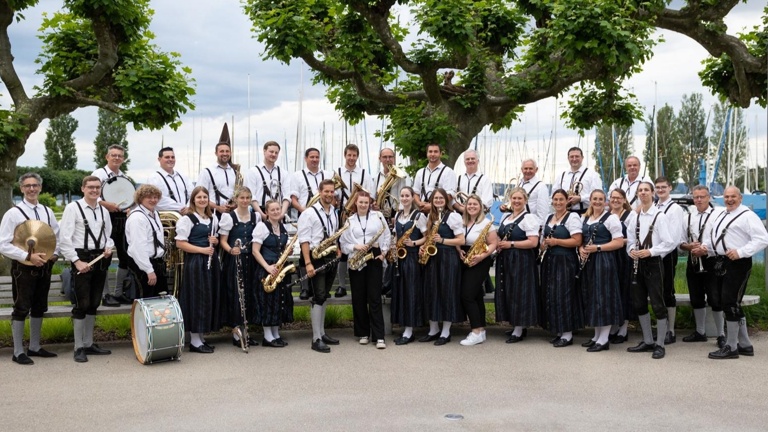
[399, 251]
[329, 245]
[271, 282]
[430, 249]
[480, 246]
[358, 259]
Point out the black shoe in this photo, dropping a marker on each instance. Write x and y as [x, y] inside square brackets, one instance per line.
[515, 339]
[42, 352]
[211, 347]
[96, 350]
[341, 292]
[304, 294]
[252, 342]
[442, 340]
[272, 344]
[695, 337]
[725, 353]
[319, 346]
[238, 342]
[670, 338]
[22, 359]
[618, 339]
[659, 352]
[202, 349]
[642, 347]
[509, 332]
[329, 340]
[721, 341]
[110, 300]
[554, 339]
[525, 333]
[562, 343]
[80, 356]
[429, 337]
[123, 299]
[599, 347]
[589, 344]
[402, 340]
[282, 341]
[746, 351]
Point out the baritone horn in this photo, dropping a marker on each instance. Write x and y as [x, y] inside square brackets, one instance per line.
[511, 185]
[174, 257]
[393, 175]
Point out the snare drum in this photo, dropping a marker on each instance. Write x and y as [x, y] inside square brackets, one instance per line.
[157, 329]
[118, 190]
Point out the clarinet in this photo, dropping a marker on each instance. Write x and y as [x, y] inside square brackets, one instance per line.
[210, 243]
[583, 262]
[317, 270]
[241, 295]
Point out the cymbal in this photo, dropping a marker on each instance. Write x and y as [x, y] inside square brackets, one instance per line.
[35, 236]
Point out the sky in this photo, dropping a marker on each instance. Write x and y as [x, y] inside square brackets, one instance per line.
[261, 99]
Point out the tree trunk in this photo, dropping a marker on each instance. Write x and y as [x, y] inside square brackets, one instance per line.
[468, 125]
[7, 180]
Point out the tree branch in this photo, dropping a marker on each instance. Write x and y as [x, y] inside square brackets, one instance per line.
[105, 63]
[7, 72]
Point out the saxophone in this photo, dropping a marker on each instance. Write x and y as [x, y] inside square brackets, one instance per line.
[329, 245]
[480, 246]
[358, 258]
[271, 282]
[399, 251]
[430, 249]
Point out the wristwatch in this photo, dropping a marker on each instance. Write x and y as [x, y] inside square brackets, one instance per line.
[599, 248]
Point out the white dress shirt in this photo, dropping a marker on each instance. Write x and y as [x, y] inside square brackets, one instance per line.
[588, 177]
[390, 203]
[425, 181]
[661, 239]
[539, 200]
[305, 182]
[476, 183]
[175, 198]
[313, 229]
[351, 176]
[72, 229]
[139, 236]
[277, 181]
[746, 234]
[698, 224]
[472, 232]
[224, 179]
[15, 217]
[676, 220]
[629, 187]
[362, 229]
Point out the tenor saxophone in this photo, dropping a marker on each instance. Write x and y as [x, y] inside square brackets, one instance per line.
[430, 249]
[480, 246]
[329, 245]
[358, 259]
[271, 282]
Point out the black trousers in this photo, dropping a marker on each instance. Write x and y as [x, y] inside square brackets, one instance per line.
[29, 286]
[700, 286]
[473, 291]
[158, 265]
[320, 285]
[366, 300]
[648, 284]
[89, 285]
[118, 236]
[670, 265]
[731, 286]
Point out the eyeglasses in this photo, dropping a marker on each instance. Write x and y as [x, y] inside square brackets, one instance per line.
[30, 186]
[116, 156]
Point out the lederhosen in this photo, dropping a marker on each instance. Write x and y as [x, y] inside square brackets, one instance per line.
[581, 209]
[30, 284]
[265, 191]
[670, 269]
[158, 263]
[698, 282]
[170, 191]
[118, 219]
[320, 285]
[731, 276]
[423, 192]
[90, 285]
[650, 275]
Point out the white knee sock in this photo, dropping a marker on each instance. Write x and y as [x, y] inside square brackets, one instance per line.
[602, 334]
[518, 331]
[90, 323]
[316, 316]
[700, 315]
[623, 328]
[35, 327]
[671, 314]
[17, 330]
[744, 334]
[268, 334]
[645, 325]
[661, 331]
[434, 328]
[408, 332]
[719, 322]
[79, 325]
[276, 332]
[446, 329]
[567, 336]
[195, 340]
[733, 334]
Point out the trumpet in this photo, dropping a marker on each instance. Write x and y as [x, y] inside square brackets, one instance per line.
[575, 189]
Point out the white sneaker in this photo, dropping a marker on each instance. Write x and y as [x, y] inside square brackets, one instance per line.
[472, 339]
[364, 340]
[483, 335]
[380, 344]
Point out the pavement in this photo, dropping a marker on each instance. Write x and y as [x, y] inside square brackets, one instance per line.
[528, 386]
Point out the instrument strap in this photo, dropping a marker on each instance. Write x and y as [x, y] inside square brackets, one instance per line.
[88, 232]
[216, 189]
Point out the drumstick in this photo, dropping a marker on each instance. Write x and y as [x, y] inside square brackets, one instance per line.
[95, 260]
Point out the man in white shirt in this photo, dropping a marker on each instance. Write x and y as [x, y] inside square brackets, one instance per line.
[350, 174]
[146, 242]
[567, 181]
[220, 179]
[736, 236]
[434, 175]
[84, 237]
[31, 272]
[390, 203]
[305, 182]
[674, 214]
[473, 182]
[115, 158]
[173, 185]
[539, 198]
[628, 183]
[269, 182]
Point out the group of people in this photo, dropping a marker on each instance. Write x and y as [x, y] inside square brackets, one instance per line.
[564, 261]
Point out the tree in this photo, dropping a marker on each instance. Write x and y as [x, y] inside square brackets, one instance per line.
[111, 130]
[502, 54]
[60, 151]
[692, 133]
[730, 161]
[609, 162]
[666, 134]
[95, 53]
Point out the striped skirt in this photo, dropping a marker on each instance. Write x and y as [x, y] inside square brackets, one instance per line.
[561, 297]
[199, 294]
[442, 286]
[408, 291]
[517, 299]
[600, 291]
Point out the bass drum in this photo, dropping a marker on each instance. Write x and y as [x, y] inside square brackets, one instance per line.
[118, 190]
[157, 329]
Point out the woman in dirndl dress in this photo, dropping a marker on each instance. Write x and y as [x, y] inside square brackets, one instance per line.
[517, 295]
[408, 290]
[442, 273]
[621, 208]
[562, 302]
[270, 238]
[601, 233]
[197, 236]
[238, 224]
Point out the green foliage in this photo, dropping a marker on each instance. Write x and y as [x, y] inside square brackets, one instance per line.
[110, 130]
[734, 151]
[692, 133]
[60, 150]
[55, 182]
[601, 105]
[11, 128]
[607, 139]
[667, 133]
[47, 199]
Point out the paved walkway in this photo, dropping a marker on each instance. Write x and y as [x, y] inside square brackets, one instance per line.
[494, 386]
